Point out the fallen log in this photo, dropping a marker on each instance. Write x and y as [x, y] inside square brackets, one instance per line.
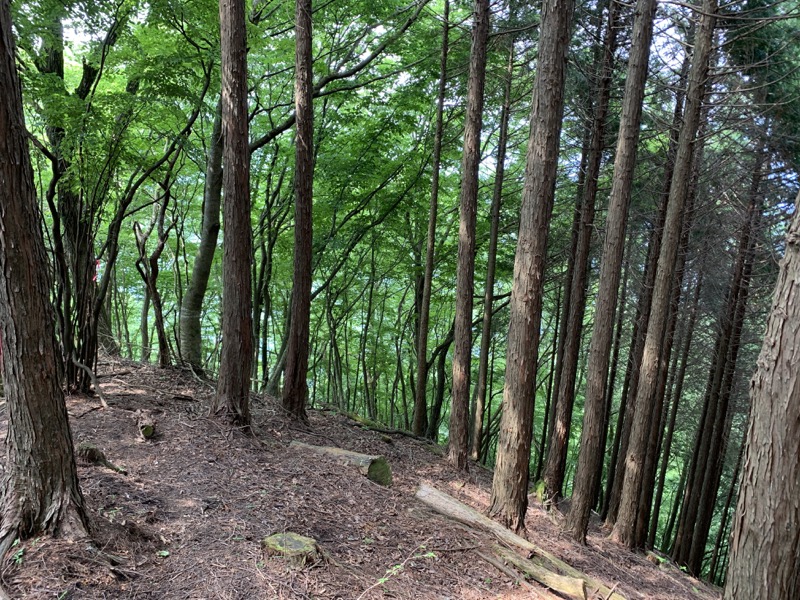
[375, 468]
[571, 587]
[452, 508]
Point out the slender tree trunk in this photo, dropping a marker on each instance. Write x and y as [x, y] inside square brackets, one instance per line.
[295, 386]
[765, 547]
[624, 528]
[420, 422]
[192, 306]
[488, 292]
[715, 400]
[559, 441]
[631, 380]
[509, 500]
[724, 518]
[468, 205]
[233, 387]
[41, 492]
[721, 424]
[600, 501]
[676, 397]
[610, 271]
[549, 395]
[666, 539]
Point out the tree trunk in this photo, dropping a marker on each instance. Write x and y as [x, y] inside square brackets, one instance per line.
[295, 386]
[765, 546]
[233, 387]
[509, 500]
[488, 291]
[715, 404]
[610, 271]
[676, 397]
[41, 492]
[192, 307]
[723, 521]
[721, 424]
[468, 205]
[624, 528]
[559, 441]
[420, 421]
[630, 382]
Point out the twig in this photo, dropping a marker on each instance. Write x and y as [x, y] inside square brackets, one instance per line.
[93, 379]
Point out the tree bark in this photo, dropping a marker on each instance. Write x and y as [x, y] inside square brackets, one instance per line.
[574, 312]
[624, 528]
[295, 386]
[41, 492]
[509, 500]
[610, 272]
[765, 546]
[420, 420]
[233, 387]
[468, 205]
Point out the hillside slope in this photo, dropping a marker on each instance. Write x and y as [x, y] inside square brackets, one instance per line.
[187, 518]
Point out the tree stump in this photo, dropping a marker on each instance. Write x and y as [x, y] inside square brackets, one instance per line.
[145, 424]
[298, 550]
[375, 468]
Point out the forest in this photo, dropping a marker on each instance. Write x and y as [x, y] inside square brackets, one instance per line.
[556, 238]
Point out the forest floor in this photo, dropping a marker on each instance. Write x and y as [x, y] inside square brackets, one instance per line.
[188, 517]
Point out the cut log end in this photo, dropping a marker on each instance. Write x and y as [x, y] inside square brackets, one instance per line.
[298, 550]
[374, 468]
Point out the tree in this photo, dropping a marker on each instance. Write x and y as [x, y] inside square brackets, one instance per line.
[190, 329]
[510, 483]
[295, 387]
[420, 422]
[468, 206]
[574, 311]
[233, 387]
[624, 529]
[590, 455]
[488, 291]
[765, 555]
[41, 492]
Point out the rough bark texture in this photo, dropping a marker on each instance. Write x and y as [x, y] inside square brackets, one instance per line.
[233, 387]
[559, 441]
[41, 493]
[624, 528]
[191, 347]
[459, 409]
[765, 546]
[295, 386]
[420, 422]
[610, 271]
[510, 484]
[488, 291]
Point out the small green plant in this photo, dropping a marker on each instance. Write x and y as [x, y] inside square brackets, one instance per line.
[112, 513]
[395, 570]
[17, 556]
